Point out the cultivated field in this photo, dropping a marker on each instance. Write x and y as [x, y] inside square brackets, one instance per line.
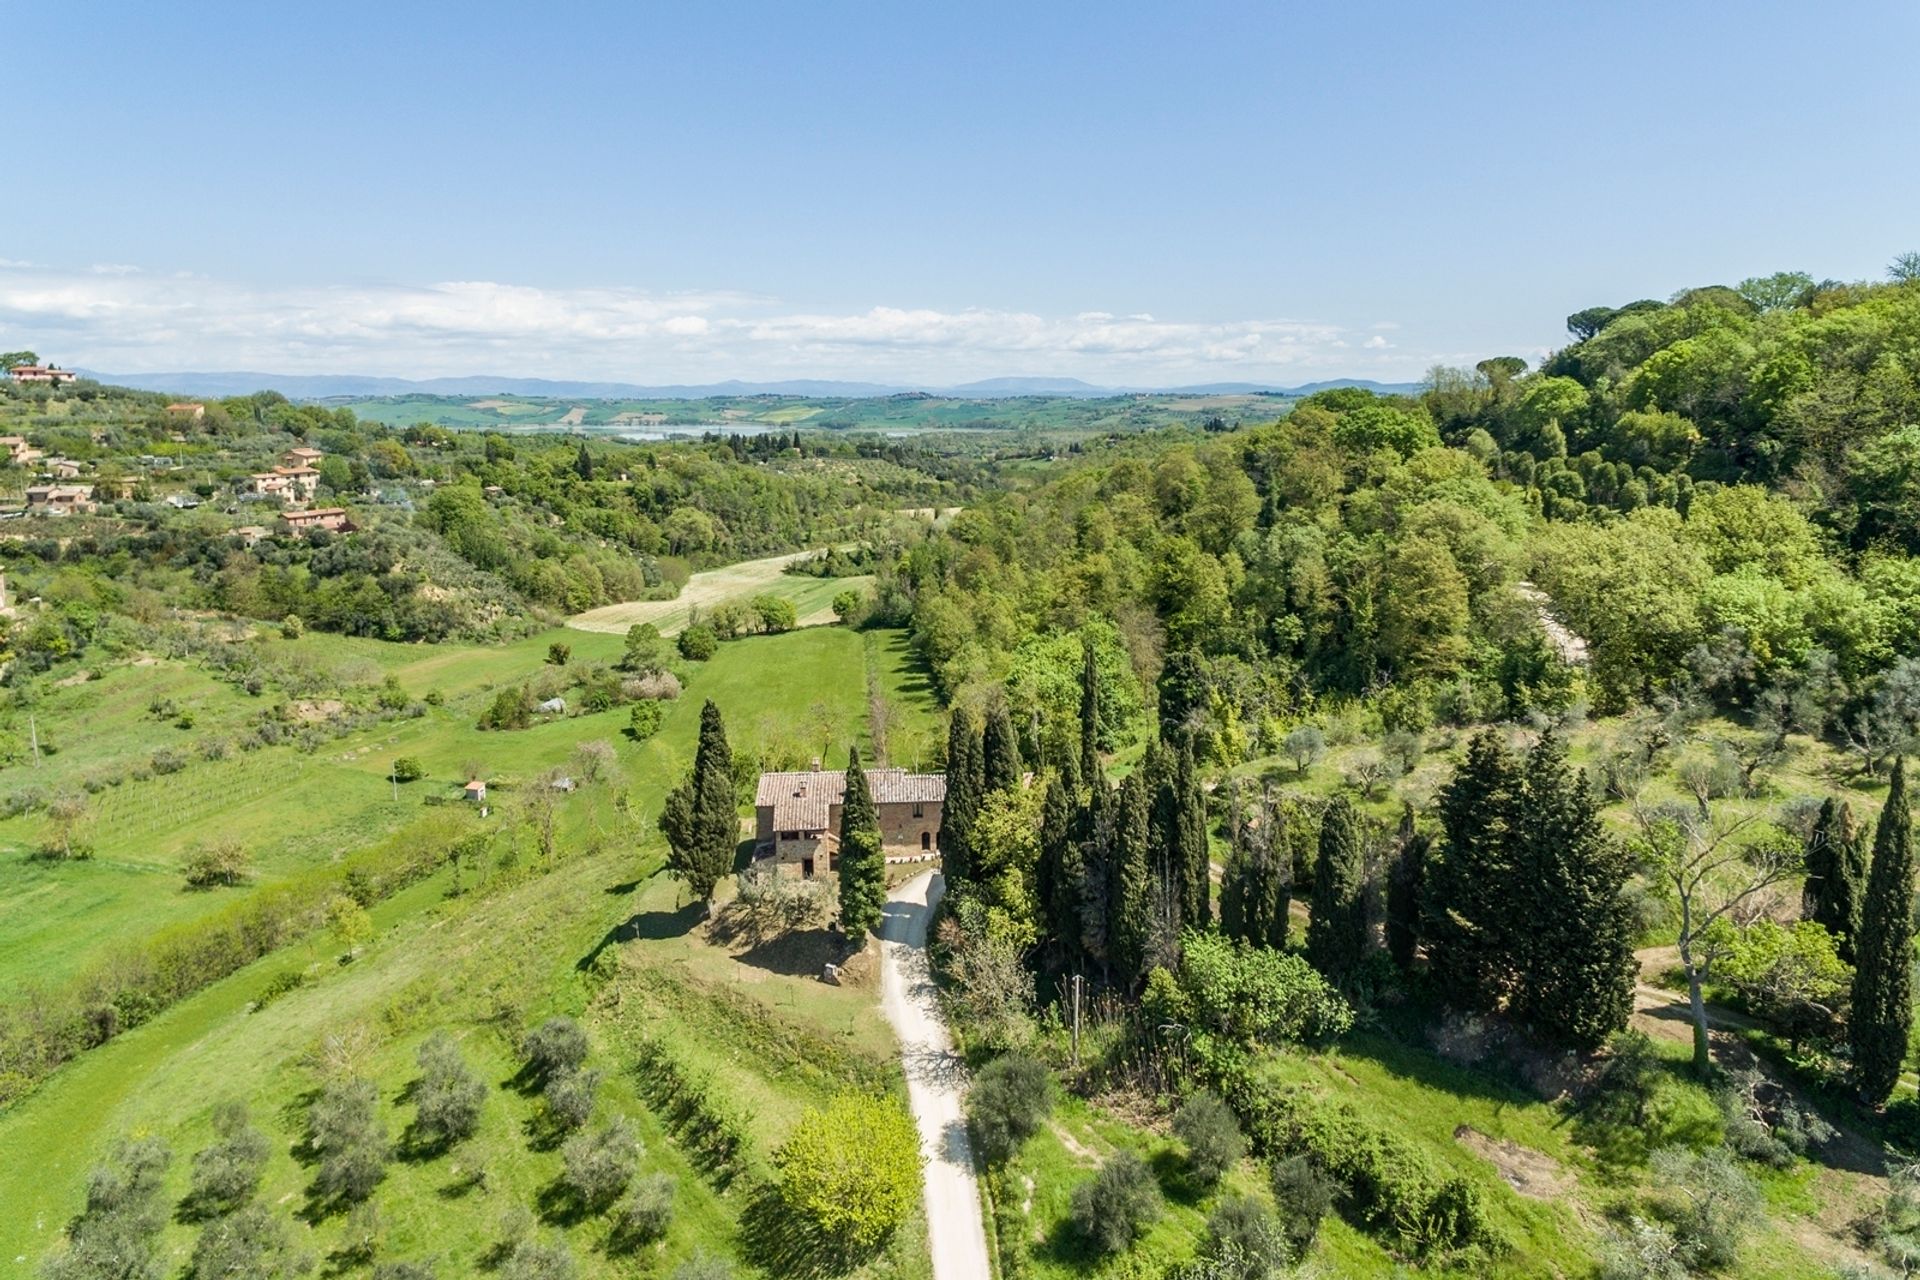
[812, 597]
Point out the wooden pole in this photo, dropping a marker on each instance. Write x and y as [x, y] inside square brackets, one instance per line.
[1076, 1019]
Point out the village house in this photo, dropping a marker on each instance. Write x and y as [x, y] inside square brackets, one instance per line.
[59, 499]
[41, 373]
[292, 484]
[19, 452]
[62, 468]
[120, 487]
[187, 409]
[301, 456]
[330, 519]
[797, 816]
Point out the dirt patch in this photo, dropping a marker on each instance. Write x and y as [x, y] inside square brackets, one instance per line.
[68, 682]
[573, 418]
[1077, 1149]
[315, 710]
[1533, 1174]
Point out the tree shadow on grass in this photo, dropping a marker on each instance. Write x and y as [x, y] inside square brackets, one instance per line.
[1176, 1179]
[650, 926]
[803, 953]
[781, 1243]
[1068, 1248]
[624, 887]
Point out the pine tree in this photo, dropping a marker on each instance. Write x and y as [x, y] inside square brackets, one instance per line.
[1836, 872]
[1883, 982]
[1573, 965]
[1001, 751]
[1468, 921]
[1130, 896]
[1057, 877]
[701, 820]
[863, 863]
[1337, 923]
[965, 787]
[1089, 714]
[1404, 892]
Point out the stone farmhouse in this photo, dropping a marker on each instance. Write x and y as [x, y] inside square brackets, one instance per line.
[797, 816]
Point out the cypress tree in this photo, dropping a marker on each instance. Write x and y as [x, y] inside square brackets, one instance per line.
[863, 863]
[1468, 916]
[1337, 926]
[1883, 982]
[1001, 751]
[1233, 883]
[1096, 873]
[583, 463]
[1836, 873]
[1089, 713]
[1130, 896]
[1196, 859]
[701, 820]
[1287, 822]
[1573, 965]
[1057, 878]
[1404, 892]
[965, 785]
[1164, 852]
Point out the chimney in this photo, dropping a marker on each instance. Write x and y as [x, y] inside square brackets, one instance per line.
[814, 765]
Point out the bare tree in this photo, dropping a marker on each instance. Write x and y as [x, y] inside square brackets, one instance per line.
[1716, 865]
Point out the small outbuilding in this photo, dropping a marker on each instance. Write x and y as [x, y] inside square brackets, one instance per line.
[476, 791]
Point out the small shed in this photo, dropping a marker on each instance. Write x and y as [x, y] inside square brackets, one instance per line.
[476, 791]
[554, 706]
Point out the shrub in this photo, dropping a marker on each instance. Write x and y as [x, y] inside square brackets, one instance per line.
[1249, 993]
[226, 1174]
[1721, 1204]
[344, 1130]
[697, 643]
[1212, 1136]
[1115, 1206]
[1303, 1196]
[279, 985]
[703, 1266]
[568, 1098]
[403, 1270]
[248, 1242]
[644, 721]
[169, 760]
[1244, 1241]
[511, 708]
[291, 628]
[657, 686]
[531, 1260]
[1010, 1100]
[217, 862]
[556, 1045]
[408, 769]
[599, 1166]
[447, 1097]
[852, 1169]
[559, 654]
[646, 1211]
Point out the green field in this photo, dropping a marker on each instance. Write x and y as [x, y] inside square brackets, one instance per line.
[523, 943]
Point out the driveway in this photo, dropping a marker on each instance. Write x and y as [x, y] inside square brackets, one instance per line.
[936, 1083]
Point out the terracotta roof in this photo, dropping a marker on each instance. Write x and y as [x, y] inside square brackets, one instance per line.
[801, 801]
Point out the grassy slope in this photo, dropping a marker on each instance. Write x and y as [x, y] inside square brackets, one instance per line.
[482, 965]
[812, 597]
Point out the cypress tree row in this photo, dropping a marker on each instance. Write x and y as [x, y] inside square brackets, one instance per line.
[1130, 895]
[1001, 751]
[701, 821]
[1404, 891]
[1468, 919]
[1257, 889]
[863, 862]
[1573, 965]
[1337, 927]
[1836, 875]
[966, 784]
[1057, 877]
[1883, 982]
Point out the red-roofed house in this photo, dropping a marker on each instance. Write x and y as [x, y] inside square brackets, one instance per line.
[331, 519]
[797, 815]
[41, 373]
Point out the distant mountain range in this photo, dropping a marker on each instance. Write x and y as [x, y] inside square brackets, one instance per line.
[321, 386]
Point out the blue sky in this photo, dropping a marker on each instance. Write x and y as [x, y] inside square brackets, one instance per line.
[1139, 194]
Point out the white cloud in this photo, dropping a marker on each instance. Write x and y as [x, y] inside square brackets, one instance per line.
[125, 319]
